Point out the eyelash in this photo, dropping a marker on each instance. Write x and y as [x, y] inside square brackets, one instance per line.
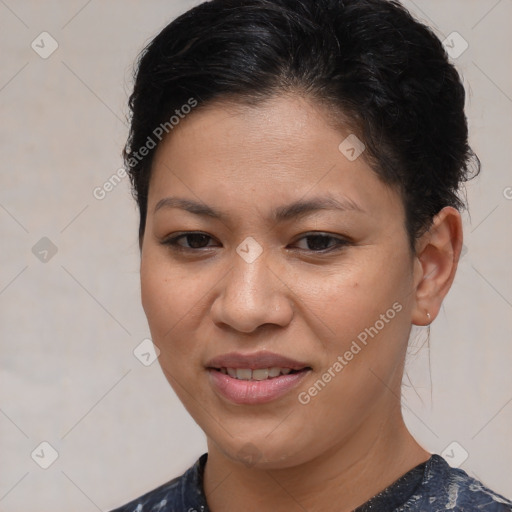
[172, 242]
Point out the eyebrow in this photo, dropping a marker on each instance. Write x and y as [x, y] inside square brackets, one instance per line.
[296, 209]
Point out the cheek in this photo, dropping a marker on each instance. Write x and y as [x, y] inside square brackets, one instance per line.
[365, 316]
[369, 316]
[156, 295]
[364, 313]
[352, 298]
[175, 300]
[170, 298]
[165, 305]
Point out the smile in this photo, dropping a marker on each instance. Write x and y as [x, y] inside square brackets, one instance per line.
[259, 374]
[254, 378]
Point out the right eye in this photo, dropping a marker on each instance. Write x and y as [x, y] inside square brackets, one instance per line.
[195, 240]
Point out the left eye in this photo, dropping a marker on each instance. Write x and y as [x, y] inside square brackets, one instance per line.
[319, 243]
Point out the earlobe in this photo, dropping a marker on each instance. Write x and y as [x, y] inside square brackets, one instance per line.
[436, 264]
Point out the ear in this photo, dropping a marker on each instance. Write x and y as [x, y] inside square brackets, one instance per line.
[436, 260]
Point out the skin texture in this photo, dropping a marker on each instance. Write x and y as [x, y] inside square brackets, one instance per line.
[350, 441]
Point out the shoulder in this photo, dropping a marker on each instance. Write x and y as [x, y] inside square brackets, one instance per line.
[180, 493]
[446, 488]
[166, 495]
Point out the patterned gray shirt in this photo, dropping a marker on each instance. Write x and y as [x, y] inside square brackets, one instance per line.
[432, 486]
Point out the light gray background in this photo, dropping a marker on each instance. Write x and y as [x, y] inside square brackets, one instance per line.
[69, 325]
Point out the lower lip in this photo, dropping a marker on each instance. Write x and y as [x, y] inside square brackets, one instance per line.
[254, 391]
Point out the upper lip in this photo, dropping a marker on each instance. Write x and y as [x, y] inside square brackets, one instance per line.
[254, 361]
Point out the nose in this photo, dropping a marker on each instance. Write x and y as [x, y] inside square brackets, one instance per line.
[251, 295]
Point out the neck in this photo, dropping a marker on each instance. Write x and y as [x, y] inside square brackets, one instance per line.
[341, 479]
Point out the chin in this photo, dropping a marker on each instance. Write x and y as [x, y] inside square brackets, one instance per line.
[261, 453]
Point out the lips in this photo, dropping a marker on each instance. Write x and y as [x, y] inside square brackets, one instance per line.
[257, 374]
[255, 378]
[255, 361]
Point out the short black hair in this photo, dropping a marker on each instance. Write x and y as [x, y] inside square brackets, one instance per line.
[385, 74]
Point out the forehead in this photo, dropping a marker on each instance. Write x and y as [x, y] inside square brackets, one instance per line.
[279, 150]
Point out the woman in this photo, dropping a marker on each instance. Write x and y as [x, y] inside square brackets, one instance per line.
[297, 165]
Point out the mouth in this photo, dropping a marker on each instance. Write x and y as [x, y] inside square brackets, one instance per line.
[255, 378]
[258, 374]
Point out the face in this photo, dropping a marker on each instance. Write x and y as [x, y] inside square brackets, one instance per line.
[277, 281]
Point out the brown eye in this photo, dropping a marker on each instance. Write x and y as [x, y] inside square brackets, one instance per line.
[192, 241]
[323, 242]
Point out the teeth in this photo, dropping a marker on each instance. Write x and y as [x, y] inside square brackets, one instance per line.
[243, 373]
[274, 371]
[259, 374]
